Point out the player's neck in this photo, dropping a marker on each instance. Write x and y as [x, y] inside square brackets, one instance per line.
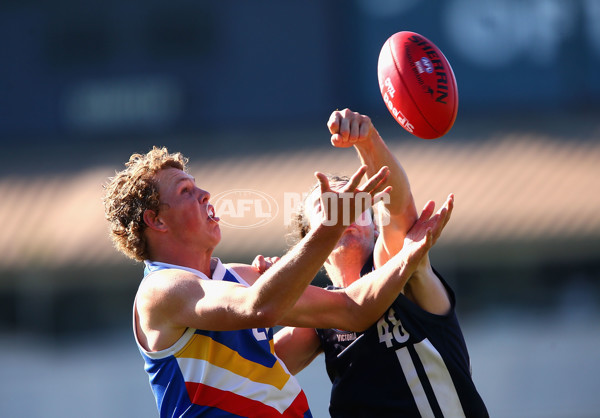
[197, 260]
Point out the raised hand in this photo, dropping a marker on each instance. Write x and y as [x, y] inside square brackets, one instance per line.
[343, 206]
[428, 228]
[435, 223]
[349, 128]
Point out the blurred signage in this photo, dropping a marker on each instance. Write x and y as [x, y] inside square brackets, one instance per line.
[127, 102]
[70, 69]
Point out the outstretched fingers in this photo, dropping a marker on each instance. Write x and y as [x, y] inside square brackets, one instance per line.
[376, 183]
[449, 205]
[442, 217]
[381, 196]
[355, 179]
[427, 211]
[323, 182]
[439, 221]
[424, 233]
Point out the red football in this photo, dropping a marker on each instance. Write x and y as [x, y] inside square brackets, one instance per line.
[417, 85]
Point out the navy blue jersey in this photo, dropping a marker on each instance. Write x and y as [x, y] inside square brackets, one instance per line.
[410, 363]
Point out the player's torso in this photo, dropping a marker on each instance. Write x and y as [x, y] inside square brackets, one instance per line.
[223, 373]
[409, 363]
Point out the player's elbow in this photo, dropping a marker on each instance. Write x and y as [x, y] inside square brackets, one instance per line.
[355, 325]
[359, 312]
[264, 314]
[267, 317]
[360, 325]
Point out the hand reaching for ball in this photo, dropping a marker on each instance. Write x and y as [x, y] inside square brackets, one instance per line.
[349, 128]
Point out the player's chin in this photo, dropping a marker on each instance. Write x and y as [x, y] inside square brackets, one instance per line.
[353, 236]
[352, 230]
[214, 227]
[356, 229]
[217, 235]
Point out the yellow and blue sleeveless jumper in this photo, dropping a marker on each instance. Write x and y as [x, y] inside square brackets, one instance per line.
[222, 373]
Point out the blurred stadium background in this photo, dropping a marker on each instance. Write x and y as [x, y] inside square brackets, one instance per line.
[244, 88]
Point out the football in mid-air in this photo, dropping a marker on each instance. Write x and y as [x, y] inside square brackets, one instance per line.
[418, 85]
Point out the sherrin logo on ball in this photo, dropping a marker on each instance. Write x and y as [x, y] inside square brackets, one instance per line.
[417, 85]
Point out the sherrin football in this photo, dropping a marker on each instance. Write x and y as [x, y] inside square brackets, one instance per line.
[417, 85]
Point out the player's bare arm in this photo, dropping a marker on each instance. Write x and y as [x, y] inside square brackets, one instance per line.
[350, 128]
[353, 129]
[297, 347]
[424, 288]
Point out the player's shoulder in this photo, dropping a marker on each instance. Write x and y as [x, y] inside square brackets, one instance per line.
[167, 282]
[166, 276]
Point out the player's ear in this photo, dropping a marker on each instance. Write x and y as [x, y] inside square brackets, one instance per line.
[153, 220]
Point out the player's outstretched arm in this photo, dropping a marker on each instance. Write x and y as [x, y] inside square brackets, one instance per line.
[359, 305]
[398, 214]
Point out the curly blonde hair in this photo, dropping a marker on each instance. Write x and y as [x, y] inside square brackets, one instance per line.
[130, 193]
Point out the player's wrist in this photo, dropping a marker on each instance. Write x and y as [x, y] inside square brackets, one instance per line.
[369, 141]
[328, 228]
[370, 147]
[424, 270]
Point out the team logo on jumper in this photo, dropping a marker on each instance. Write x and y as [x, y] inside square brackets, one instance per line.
[345, 336]
[245, 208]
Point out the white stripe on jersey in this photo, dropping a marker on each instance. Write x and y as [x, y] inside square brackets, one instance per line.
[412, 378]
[440, 379]
[438, 376]
[200, 371]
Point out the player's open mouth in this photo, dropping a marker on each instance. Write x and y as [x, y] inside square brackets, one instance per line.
[211, 214]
